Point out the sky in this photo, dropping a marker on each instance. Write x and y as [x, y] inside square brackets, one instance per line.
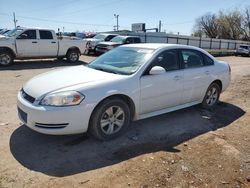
[98, 15]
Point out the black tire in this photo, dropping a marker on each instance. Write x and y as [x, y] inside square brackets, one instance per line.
[6, 58]
[72, 56]
[212, 96]
[100, 113]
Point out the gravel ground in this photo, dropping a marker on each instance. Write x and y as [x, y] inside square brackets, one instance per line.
[187, 148]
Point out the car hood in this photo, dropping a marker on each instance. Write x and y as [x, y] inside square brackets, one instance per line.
[63, 78]
[3, 37]
[110, 43]
[93, 40]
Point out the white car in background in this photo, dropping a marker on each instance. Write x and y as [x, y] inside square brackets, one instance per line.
[130, 82]
[37, 43]
[243, 50]
[90, 43]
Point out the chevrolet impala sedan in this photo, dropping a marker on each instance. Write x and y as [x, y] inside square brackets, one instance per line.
[128, 83]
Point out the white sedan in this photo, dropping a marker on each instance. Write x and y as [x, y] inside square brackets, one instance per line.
[128, 83]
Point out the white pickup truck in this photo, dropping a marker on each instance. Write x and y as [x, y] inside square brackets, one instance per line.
[36, 43]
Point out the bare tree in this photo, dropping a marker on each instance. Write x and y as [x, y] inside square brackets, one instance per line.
[207, 24]
[232, 24]
[246, 24]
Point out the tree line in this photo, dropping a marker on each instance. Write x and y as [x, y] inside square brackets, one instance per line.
[232, 24]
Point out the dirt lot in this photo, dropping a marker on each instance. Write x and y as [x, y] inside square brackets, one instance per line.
[188, 148]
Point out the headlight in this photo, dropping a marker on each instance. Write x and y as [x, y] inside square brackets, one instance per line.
[67, 98]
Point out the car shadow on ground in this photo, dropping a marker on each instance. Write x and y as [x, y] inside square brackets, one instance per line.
[40, 64]
[61, 156]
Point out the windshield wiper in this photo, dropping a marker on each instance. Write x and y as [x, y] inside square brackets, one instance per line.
[105, 70]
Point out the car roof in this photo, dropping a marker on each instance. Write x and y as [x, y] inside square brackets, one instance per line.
[122, 36]
[106, 34]
[155, 46]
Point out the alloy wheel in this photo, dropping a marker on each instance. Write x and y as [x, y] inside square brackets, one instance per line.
[112, 120]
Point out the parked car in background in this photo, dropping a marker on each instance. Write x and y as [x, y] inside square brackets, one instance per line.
[130, 82]
[90, 34]
[90, 43]
[75, 34]
[243, 50]
[4, 31]
[31, 43]
[103, 47]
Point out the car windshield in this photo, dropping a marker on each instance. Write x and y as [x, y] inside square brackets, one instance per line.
[122, 60]
[99, 36]
[13, 33]
[118, 39]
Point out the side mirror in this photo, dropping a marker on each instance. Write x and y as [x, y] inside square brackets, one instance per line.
[156, 70]
[127, 42]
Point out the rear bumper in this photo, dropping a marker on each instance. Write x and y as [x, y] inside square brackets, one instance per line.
[54, 120]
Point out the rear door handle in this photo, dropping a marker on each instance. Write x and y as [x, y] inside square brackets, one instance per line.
[34, 41]
[53, 42]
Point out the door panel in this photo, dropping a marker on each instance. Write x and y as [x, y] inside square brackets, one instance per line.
[27, 44]
[48, 45]
[163, 90]
[196, 82]
[160, 91]
[197, 76]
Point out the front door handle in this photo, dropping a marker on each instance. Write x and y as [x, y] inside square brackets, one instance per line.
[177, 78]
[34, 42]
[53, 42]
[207, 72]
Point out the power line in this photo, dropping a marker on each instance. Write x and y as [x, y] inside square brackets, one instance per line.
[93, 7]
[58, 21]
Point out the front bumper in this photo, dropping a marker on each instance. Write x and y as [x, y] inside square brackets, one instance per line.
[101, 50]
[54, 120]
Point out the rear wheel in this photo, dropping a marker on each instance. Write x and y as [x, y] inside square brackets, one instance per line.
[6, 58]
[72, 56]
[212, 96]
[110, 119]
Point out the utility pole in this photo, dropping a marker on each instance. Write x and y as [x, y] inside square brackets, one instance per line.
[117, 21]
[160, 26]
[15, 21]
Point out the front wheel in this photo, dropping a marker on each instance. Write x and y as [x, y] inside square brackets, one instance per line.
[212, 96]
[110, 119]
[6, 58]
[72, 56]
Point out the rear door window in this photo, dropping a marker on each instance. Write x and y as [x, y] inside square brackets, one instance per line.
[45, 34]
[191, 58]
[207, 60]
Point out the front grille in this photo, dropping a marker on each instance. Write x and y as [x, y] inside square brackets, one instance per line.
[51, 126]
[27, 96]
[22, 115]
